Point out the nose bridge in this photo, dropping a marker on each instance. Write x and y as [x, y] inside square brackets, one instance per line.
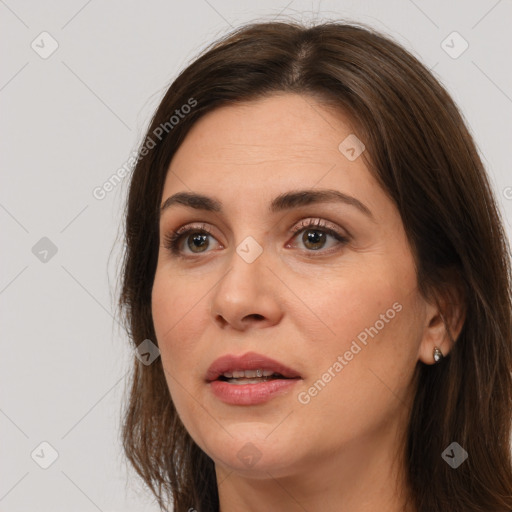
[249, 237]
[247, 266]
[245, 288]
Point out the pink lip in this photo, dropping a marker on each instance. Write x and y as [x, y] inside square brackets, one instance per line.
[248, 361]
[249, 394]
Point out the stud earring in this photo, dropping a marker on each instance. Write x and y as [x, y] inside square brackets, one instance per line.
[438, 355]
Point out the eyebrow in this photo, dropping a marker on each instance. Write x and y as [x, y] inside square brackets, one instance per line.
[282, 202]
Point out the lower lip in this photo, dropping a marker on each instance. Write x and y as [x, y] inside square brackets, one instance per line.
[251, 394]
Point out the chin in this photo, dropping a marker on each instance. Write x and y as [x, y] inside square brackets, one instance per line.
[252, 454]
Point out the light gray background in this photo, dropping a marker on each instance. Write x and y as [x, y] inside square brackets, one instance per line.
[68, 123]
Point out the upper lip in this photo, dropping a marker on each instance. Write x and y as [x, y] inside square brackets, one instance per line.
[247, 361]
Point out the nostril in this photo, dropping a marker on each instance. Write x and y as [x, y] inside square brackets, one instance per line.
[256, 316]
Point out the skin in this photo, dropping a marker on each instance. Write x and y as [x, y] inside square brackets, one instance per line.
[342, 451]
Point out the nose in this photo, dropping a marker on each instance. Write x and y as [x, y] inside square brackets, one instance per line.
[247, 295]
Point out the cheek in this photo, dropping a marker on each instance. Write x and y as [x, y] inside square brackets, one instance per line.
[365, 374]
[175, 326]
[174, 309]
[359, 304]
[372, 319]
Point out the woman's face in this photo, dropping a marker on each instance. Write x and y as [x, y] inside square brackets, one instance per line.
[336, 301]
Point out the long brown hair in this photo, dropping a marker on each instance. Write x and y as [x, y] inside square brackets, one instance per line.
[425, 159]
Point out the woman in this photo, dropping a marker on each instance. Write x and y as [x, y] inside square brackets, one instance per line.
[314, 247]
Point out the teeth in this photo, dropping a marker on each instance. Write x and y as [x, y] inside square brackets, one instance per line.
[248, 381]
[248, 374]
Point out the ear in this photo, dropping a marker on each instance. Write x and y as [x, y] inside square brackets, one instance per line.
[444, 318]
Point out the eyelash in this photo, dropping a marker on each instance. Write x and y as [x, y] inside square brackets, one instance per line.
[172, 240]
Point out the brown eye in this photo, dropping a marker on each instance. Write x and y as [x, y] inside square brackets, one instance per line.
[314, 239]
[197, 242]
[315, 235]
[196, 238]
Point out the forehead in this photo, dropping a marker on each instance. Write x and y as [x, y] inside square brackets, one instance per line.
[276, 127]
[262, 148]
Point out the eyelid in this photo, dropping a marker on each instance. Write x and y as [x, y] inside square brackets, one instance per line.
[318, 223]
[196, 227]
[174, 237]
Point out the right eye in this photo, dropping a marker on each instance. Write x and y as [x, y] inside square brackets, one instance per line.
[195, 238]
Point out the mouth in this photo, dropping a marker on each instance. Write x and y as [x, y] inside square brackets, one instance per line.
[251, 379]
[251, 368]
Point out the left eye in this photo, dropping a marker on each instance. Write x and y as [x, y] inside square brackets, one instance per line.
[315, 234]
